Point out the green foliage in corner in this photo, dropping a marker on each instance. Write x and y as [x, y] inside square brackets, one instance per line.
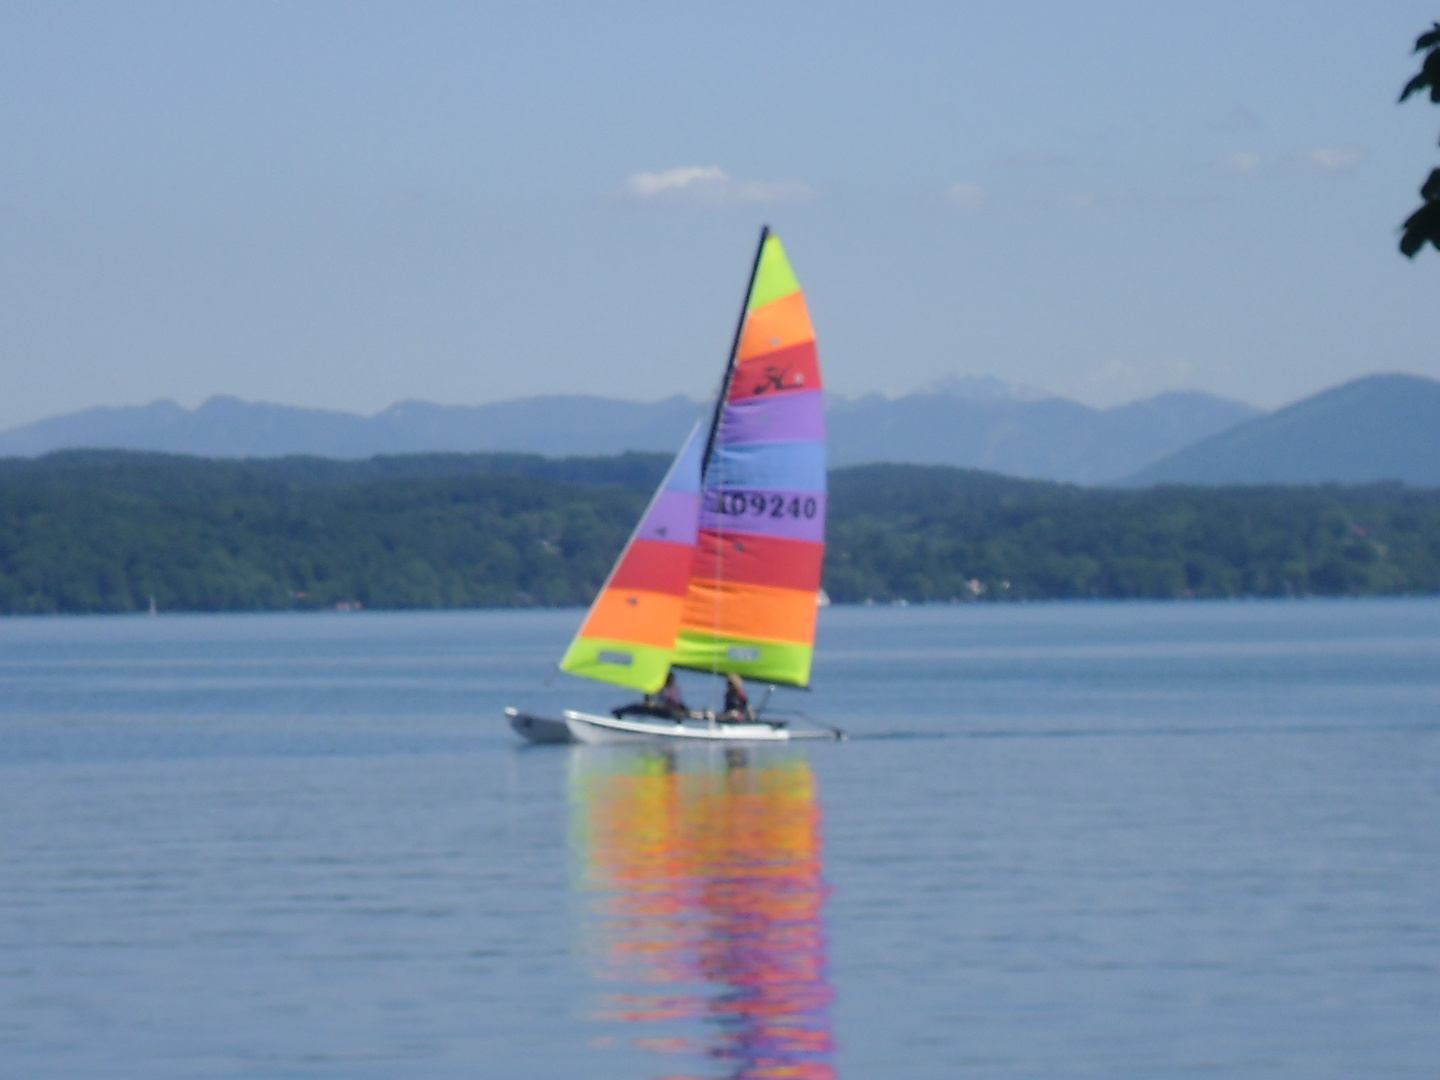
[1423, 226]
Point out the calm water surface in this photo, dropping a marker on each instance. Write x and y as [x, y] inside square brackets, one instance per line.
[1067, 840]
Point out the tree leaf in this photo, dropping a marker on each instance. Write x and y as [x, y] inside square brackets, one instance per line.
[1428, 75]
[1421, 227]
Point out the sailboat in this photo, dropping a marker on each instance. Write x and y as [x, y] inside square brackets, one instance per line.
[722, 574]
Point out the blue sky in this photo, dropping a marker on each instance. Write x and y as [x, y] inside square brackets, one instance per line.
[346, 205]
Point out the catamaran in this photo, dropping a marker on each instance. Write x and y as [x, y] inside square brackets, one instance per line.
[722, 574]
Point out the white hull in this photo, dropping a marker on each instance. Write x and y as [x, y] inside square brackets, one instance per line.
[539, 729]
[578, 727]
[588, 728]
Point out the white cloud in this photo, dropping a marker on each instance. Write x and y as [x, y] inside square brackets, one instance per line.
[966, 196]
[710, 185]
[648, 185]
[1332, 159]
[1240, 163]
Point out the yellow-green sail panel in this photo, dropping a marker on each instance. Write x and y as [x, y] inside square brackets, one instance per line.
[640, 667]
[773, 277]
[764, 661]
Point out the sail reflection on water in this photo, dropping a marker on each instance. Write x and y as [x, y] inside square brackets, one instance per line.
[704, 873]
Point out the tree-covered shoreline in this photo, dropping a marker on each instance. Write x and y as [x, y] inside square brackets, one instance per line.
[101, 531]
[921, 533]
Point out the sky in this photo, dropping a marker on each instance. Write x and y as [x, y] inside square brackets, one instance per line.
[345, 205]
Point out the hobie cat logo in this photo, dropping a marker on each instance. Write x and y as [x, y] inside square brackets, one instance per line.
[774, 379]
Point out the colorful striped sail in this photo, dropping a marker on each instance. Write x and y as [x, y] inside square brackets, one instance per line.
[750, 607]
[628, 638]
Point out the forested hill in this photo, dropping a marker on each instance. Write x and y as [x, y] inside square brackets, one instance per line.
[925, 533]
[105, 531]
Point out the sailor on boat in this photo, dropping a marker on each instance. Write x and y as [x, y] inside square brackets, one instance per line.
[665, 702]
[669, 700]
[737, 705]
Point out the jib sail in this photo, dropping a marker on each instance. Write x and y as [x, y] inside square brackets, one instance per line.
[628, 637]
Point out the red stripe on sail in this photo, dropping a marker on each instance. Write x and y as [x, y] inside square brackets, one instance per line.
[655, 566]
[794, 368]
[758, 560]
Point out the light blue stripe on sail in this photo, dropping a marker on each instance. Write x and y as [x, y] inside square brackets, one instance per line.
[789, 466]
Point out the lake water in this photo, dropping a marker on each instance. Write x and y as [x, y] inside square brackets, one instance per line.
[1139, 840]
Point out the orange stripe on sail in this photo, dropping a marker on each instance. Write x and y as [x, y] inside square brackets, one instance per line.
[778, 325]
[634, 615]
[736, 609]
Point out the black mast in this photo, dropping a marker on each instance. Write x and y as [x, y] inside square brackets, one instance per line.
[730, 364]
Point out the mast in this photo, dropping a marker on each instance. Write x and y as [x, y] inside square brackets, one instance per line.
[734, 348]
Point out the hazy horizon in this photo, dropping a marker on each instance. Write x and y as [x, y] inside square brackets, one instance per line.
[835, 395]
[343, 207]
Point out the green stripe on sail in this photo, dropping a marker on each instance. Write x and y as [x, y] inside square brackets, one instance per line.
[640, 667]
[763, 661]
[773, 277]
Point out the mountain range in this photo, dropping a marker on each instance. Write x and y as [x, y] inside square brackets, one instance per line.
[559, 426]
[1050, 438]
[975, 423]
[1380, 427]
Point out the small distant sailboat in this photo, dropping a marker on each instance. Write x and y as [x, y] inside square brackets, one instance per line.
[722, 575]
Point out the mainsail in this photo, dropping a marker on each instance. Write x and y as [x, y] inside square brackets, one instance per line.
[750, 608]
[723, 571]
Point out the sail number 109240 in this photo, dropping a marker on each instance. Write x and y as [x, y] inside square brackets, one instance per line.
[757, 504]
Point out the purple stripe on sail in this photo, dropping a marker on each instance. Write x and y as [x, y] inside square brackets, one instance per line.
[672, 517]
[790, 515]
[782, 418]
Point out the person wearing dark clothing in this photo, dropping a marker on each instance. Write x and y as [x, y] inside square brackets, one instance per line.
[668, 700]
[737, 704]
[665, 702]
